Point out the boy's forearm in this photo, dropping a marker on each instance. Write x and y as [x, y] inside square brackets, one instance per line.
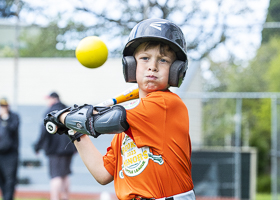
[62, 117]
[91, 157]
[93, 160]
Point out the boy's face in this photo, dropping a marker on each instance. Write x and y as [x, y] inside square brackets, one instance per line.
[152, 71]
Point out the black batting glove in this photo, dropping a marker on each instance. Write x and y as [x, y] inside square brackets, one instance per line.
[54, 118]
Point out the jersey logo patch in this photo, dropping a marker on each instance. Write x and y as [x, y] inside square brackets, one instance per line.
[131, 104]
[135, 159]
[157, 25]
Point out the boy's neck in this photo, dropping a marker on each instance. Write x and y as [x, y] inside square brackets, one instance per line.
[143, 94]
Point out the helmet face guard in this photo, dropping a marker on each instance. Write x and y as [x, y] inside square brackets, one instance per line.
[156, 30]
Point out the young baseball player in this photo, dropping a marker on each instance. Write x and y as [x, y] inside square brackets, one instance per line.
[150, 154]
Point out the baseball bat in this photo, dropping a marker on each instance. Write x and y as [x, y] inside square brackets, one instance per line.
[131, 93]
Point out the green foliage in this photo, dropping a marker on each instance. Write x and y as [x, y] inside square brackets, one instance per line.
[115, 24]
[43, 42]
[268, 57]
[7, 51]
[264, 184]
[260, 129]
[273, 73]
[220, 125]
[228, 77]
[261, 75]
[273, 15]
[115, 19]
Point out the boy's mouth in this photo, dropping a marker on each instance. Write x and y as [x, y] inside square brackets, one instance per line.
[151, 77]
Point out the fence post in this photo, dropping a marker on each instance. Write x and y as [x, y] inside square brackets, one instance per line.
[274, 148]
[16, 57]
[237, 157]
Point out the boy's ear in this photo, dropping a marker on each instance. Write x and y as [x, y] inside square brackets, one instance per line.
[129, 69]
[177, 73]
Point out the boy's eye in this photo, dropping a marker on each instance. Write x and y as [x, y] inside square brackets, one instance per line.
[144, 58]
[164, 61]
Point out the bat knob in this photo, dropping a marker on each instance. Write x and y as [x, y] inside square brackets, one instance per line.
[51, 127]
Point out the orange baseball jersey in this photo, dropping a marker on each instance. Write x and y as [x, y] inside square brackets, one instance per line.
[153, 158]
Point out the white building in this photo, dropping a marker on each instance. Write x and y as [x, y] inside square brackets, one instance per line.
[37, 77]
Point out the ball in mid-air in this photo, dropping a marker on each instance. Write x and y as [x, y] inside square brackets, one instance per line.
[91, 52]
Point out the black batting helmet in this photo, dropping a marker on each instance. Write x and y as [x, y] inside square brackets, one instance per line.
[156, 30]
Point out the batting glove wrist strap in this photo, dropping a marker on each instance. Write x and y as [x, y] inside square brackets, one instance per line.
[74, 137]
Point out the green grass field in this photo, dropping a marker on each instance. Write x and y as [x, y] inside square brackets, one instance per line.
[42, 199]
[26, 199]
[263, 197]
[259, 197]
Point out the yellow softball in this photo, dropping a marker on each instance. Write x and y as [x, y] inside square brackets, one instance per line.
[91, 52]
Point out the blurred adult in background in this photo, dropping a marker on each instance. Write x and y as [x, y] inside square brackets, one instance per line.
[59, 151]
[9, 145]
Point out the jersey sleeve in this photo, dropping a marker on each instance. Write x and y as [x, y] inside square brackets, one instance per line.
[109, 158]
[147, 121]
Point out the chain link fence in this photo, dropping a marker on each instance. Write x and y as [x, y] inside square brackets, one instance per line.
[224, 163]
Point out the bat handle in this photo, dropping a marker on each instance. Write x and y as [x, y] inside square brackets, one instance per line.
[51, 127]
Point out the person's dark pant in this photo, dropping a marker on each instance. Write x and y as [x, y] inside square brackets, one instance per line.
[8, 174]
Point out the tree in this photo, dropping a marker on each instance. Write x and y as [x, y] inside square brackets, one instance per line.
[7, 8]
[268, 61]
[206, 24]
[273, 72]
[261, 75]
[220, 127]
[273, 15]
[45, 42]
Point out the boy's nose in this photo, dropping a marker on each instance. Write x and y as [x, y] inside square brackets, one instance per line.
[153, 66]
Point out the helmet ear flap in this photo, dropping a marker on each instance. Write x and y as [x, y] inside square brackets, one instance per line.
[177, 73]
[129, 69]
